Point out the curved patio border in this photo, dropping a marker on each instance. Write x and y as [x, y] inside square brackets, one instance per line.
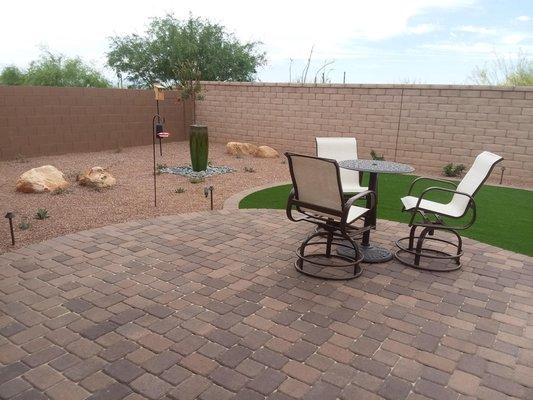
[232, 203]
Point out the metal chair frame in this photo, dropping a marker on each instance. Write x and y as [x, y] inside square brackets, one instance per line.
[432, 221]
[330, 231]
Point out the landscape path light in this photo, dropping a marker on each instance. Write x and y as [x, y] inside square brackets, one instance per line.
[10, 215]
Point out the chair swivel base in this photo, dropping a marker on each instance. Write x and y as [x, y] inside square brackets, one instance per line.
[371, 254]
[328, 265]
[411, 256]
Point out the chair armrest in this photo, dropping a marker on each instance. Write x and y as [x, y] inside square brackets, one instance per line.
[440, 189]
[349, 203]
[424, 178]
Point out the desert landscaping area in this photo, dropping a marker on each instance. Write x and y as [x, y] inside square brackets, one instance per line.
[78, 207]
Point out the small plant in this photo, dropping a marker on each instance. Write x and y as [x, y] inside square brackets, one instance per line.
[453, 170]
[249, 169]
[42, 213]
[20, 158]
[210, 163]
[73, 175]
[119, 150]
[238, 156]
[24, 224]
[179, 190]
[196, 179]
[376, 156]
[59, 191]
[160, 167]
[283, 161]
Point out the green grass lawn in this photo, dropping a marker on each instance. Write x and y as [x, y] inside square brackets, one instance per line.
[504, 215]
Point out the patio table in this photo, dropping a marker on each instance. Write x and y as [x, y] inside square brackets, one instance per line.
[371, 253]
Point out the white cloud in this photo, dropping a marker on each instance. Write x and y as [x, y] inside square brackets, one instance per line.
[523, 18]
[288, 29]
[422, 29]
[481, 30]
[514, 38]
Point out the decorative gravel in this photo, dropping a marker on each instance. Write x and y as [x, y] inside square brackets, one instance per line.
[80, 208]
[188, 172]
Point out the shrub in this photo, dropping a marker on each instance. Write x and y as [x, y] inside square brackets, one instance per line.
[179, 190]
[42, 213]
[376, 156]
[249, 169]
[160, 167]
[196, 179]
[24, 224]
[452, 170]
[59, 191]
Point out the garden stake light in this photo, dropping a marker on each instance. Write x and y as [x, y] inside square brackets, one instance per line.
[10, 216]
[207, 191]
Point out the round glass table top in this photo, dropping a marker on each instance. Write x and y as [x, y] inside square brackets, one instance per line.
[376, 166]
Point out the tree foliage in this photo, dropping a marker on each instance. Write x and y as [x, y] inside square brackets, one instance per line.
[169, 45]
[503, 72]
[54, 70]
[12, 75]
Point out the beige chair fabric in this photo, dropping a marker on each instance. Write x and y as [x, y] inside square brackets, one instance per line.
[341, 149]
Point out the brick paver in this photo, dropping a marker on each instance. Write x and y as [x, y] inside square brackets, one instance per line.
[209, 306]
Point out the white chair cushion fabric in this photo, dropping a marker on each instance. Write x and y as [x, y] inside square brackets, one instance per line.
[355, 213]
[341, 149]
[451, 209]
[351, 187]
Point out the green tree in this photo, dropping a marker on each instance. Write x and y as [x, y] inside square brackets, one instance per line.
[54, 70]
[168, 44]
[501, 72]
[12, 75]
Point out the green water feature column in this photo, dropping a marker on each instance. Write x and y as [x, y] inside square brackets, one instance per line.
[199, 147]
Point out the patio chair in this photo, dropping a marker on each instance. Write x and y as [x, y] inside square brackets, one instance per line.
[317, 198]
[433, 212]
[340, 149]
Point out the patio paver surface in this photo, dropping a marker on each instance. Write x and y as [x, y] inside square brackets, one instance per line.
[209, 306]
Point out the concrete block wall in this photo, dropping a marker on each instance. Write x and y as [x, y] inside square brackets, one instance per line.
[37, 121]
[426, 126]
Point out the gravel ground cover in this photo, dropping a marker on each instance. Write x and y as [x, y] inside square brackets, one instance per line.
[80, 208]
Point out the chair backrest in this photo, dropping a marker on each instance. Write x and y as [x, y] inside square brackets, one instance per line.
[475, 177]
[339, 149]
[316, 183]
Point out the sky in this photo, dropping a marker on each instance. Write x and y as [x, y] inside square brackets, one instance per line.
[372, 41]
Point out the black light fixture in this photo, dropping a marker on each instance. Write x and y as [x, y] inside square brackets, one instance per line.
[158, 131]
[209, 190]
[10, 215]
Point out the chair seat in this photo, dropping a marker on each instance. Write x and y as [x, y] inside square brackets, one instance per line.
[355, 212]
[451, 210]
[352, 188]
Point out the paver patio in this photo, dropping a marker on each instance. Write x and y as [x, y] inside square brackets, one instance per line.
[209, 306]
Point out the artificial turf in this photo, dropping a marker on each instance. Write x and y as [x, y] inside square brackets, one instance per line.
[504, 215]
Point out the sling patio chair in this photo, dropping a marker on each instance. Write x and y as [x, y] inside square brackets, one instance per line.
[340, 149]
[433, 216]
[317, 198]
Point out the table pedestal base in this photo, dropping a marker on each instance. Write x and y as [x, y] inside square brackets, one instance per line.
[371, 254]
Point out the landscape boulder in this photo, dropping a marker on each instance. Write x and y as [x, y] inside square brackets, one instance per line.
[97, 177]
[266, 152]
[41, 179]
[237, 148]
